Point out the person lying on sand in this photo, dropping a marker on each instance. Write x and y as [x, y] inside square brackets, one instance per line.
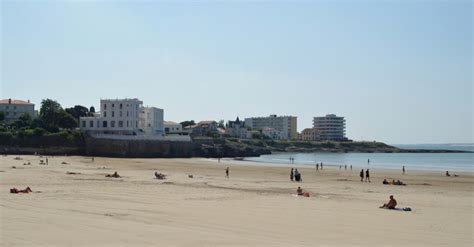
[385, 181]
[72, 173]
[391, 204]
[115, 175]
[16, 191]
[160, 175]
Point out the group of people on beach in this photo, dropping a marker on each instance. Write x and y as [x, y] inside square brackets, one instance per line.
[295, 175]
[367, 175]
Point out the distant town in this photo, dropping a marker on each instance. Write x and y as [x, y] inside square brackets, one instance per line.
[130, 119]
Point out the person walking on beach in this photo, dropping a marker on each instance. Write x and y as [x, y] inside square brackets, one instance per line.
[317, 167]
[367, 176]
[340, 167]
[403, 169]
[351, 167]
[291, 175]
[46, 160]
[321, 165]
[227, 172]
[362, 175]
[345, 167]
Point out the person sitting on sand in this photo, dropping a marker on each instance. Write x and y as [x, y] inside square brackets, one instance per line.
[391, 204]
[447, 174]
[385, 181]
[299, 191]
[16, 191]
[115, 175]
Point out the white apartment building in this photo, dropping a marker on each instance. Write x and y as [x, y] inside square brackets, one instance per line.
[117, 116]
[13, 108]
[287, 125]
[151, 121]
[330, 127]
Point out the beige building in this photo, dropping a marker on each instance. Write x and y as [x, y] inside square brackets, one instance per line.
[13, 108]
[286, 125]
[310, 134]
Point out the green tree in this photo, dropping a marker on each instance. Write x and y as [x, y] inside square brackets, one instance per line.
[78, 111]
[66, 120]
[49, 112]
[23, 121]
[220, 124]
[187, 123]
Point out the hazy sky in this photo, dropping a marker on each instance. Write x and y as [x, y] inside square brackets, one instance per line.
[399, 71]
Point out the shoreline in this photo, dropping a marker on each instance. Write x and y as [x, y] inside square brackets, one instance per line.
[309, 166]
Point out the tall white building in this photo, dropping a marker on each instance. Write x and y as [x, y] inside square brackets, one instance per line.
[286, 125]
[151, 121]
[117, 116]
[13, 109]
[330, 127]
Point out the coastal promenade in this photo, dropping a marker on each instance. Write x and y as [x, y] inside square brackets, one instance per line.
[255, 206]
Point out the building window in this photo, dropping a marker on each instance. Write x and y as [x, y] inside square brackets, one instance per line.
[120, 114]
[105, 114]
[113, 113]
[83, 124]
[120, 106]
[91, 124]
[14, 113]
[105, 106]
[127, 123]
[104, 124]
[127, 113]
[136, 124]
[113, 105]
[14, 107]
[120, 124]
[7, 107]
[112, 124]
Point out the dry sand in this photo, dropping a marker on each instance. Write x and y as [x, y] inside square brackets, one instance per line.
[254, 207]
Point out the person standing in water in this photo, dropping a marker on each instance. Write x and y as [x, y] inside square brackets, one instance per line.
[403, 169]
[368, 161]
[361, 175]
[321, 165]
[367, 175]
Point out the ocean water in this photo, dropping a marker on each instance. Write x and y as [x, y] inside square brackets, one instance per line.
[411, 161]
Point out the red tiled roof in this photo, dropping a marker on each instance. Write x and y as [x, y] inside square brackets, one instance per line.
[15, 101]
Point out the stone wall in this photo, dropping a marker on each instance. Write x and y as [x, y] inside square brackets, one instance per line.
[139, 148]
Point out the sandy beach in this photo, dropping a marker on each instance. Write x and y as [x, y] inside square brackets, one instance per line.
[256, 206]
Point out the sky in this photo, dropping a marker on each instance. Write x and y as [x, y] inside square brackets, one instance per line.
[398, 71]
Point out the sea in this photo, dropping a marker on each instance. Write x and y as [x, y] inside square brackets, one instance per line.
[462, 162]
